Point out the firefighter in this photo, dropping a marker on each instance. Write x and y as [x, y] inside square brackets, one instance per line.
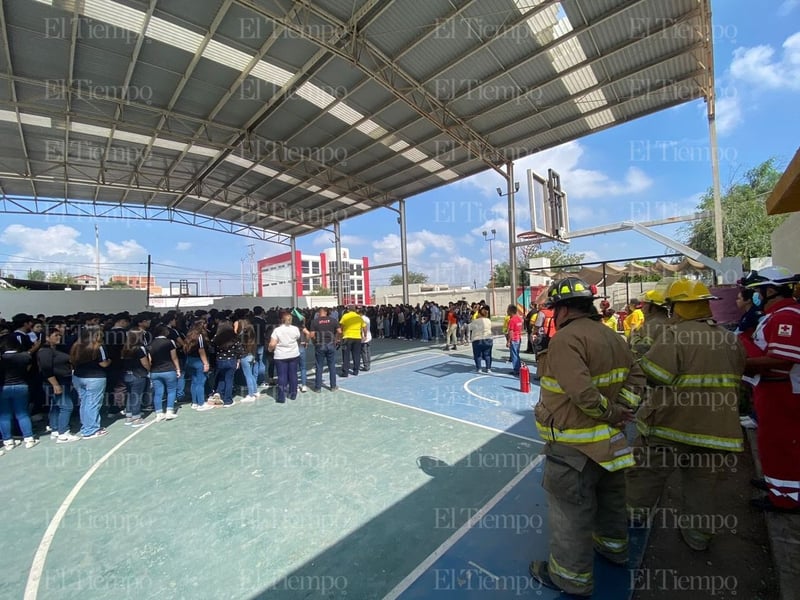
[589, 391]
[774, 364]
[656, 314]
[690, 420]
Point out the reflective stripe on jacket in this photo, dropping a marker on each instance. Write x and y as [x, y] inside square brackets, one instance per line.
[586, 371]
[695, 368]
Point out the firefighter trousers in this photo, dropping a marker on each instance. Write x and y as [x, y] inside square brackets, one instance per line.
[586, 514]
[700, 470]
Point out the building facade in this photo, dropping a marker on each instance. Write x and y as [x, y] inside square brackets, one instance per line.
[313, 273]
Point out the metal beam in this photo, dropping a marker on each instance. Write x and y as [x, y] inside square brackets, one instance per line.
[682, 248]
[389, 74]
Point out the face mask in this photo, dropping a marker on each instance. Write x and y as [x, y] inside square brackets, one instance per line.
[757, 299]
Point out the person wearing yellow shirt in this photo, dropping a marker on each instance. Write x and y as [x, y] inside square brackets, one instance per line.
[634, 320]
[353, 331]
[610, 319]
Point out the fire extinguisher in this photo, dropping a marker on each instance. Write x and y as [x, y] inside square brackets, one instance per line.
[524, 379]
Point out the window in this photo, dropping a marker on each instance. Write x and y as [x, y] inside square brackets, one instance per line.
[315, 268]
[306, 267]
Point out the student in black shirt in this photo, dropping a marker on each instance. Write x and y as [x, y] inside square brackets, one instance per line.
[56, 371]
[135, 367]
[14, 391]
[165, 370]
[89, 361]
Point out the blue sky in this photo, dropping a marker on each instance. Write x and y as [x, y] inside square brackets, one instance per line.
[651, 168]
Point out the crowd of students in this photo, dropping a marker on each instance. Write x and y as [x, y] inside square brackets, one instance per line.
[124, 365]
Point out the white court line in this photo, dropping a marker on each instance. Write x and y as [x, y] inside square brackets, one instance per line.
[37, 568]
[436, 414]
[471, 393]
[410, 362]
[462, 531]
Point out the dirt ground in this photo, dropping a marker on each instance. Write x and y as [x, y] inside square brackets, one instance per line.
[738, 566]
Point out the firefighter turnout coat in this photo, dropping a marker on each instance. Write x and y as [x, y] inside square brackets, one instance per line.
[695, 368]
[587, 375]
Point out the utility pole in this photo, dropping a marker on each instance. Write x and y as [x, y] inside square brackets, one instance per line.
[243, 277]
[491, 266]
[97, 257]
[252, 256]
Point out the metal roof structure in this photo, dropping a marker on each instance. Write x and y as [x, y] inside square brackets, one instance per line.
[273, 119]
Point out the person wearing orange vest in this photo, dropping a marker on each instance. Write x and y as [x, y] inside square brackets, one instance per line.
[589, 391]
[774, 366]
[690, 420]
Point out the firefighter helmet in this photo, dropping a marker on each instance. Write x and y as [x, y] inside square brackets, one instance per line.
[568, 288]
[687, 290]
[777, 276]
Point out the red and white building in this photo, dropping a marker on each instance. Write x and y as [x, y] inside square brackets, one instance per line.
[314, 272]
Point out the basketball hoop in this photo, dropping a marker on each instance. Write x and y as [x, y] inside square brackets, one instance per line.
[537, 238]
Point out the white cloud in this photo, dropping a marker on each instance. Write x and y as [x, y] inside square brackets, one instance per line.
[182, 246]
[324, 239]
[579, 183]
[788, 6]
[57, 248]
[759, 68]
[436, 255]
[729, 114]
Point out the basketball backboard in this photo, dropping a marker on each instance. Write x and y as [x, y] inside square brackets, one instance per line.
[548, 207]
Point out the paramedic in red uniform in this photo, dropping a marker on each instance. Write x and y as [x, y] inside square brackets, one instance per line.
[774, 362]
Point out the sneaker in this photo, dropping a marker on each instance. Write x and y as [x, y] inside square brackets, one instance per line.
[11, 444]
[489, 371]
[248, 398]
[303, 389]
[67, 438]
[138, 422]
[30, 442]
[160, 417]
[53, 435]
[231, 405]
[335, 388]
[171, 414]
[205, 407]
[96, 434]
[194, 406]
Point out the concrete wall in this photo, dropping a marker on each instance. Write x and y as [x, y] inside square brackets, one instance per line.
[67, 303]
[784, 244]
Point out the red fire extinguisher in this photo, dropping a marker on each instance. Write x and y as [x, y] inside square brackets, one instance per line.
[524, 379]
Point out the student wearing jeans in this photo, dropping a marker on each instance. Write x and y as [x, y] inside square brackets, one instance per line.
[248, 361]
[197, 363]
[326, 333]
[135, 368]
[165, 371]
[482, 341]
[89, 361]
[229, 353]
[514, 338]
[284, 342]
[14, 392]
[56, 372]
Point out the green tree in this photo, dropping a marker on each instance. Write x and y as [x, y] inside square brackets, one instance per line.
[61, 277]
[557, 254]
[413, 277]
[323, 291]
[746, 227]
[118, 285]
[36, 275]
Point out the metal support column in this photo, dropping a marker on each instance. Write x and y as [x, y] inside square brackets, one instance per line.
[512, 234]
[712, 130]
[293, 276]
[403, 248]
[337, 238]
